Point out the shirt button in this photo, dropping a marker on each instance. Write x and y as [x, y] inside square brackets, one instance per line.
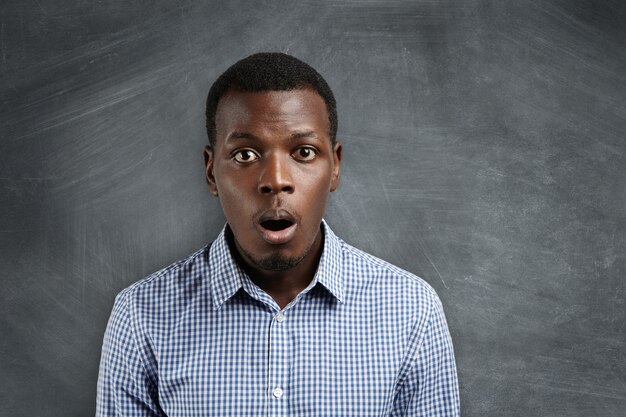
[280, 317]
[277, 393]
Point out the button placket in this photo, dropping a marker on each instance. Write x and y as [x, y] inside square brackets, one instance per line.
[279, 365]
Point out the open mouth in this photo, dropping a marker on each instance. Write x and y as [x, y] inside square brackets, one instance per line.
[276, 225]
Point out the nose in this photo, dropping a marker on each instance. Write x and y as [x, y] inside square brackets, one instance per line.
[276, 176]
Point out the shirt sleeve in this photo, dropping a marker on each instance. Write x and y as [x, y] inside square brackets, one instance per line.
[125, 388]
[430, 387]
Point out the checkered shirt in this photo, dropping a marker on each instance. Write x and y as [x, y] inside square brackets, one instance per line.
[199, 338]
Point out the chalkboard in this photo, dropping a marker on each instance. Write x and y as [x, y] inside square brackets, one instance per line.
[484, 150]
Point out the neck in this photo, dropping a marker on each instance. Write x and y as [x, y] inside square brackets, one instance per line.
[285, 285]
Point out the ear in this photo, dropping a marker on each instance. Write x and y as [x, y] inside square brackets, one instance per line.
[337, 154]
[208, 169]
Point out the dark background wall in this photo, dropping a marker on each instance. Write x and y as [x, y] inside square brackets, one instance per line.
[484, 151]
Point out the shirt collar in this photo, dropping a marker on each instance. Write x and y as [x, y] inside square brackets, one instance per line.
[227, 277]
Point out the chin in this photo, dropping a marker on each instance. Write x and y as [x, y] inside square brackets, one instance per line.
[277, 262]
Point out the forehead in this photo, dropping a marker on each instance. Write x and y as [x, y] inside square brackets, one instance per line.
[267, 112]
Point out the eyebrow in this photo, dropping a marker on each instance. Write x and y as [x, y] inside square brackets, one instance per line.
[296, 135]
[305, 134]
[242, 135]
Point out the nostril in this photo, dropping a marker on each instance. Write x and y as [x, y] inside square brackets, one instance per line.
[266, 189]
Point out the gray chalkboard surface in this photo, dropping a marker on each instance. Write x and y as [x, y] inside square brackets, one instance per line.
[484, 151]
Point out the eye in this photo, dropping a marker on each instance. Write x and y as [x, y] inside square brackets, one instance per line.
[305, 153]
[245, 156]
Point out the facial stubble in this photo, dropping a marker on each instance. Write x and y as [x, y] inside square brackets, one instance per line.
[276, 261]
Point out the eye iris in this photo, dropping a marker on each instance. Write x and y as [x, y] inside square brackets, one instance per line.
[245, 155]
[305, 152]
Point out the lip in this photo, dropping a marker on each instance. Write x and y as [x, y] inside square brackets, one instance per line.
[277, 237]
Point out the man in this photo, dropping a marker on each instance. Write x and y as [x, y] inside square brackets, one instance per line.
[278, 316]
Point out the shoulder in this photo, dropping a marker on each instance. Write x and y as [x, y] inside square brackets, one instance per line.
[387, 282]
[168, 287]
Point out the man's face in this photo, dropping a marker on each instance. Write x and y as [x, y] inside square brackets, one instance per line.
[273, 167]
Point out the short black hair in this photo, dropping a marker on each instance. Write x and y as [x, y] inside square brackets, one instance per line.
[269, 71]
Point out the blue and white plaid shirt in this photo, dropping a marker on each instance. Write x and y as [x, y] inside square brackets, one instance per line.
[198, 338]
